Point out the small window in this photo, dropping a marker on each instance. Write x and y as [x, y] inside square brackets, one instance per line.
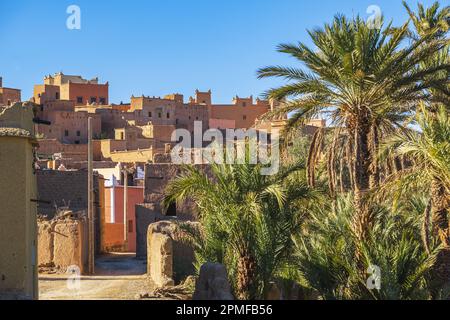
[66, 133]
[9, 102]
[78, 134]
[77, 142]
[102, 100]
[244, 117]
[168, 115]
[159, 115]
[93, 100]
[122, 136]
[149, 114]
[79, 99]
[57, 96]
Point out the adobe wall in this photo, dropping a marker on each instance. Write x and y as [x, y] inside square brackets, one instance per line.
[244, 117]
[113, 119]
[63, 243]
[142, 156]
[157, 177]
[170, 260]
[145, 216]
[113, 238]
[114, 235]
[71, 91]
[44, 93]
[18, 234]
[9, 96]
[52, 146]
[160, 264]
[62, 189]
[68, 189]
[186, 116]
[69, 126]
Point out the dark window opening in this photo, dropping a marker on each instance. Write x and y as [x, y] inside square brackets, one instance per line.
[130, 226]
[168, 115]
[79, 99]
[93, 99]
[77, 142]
[66, 133]
[149, 114]
[102, 100]
[57, 96]
[244, 117]
[159, 115]
[172, 210]
[78, 134]
[9, 103]
[130, 179]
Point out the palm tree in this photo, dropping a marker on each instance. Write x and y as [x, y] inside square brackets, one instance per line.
[430, 19]
[430, 152]
[364, 80]
[436, 22]
[247, 220]
[325, 254]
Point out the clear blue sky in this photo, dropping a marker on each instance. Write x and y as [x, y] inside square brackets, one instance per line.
[158, 47]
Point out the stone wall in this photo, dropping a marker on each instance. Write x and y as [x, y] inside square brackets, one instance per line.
[170, 259]
[63, 243]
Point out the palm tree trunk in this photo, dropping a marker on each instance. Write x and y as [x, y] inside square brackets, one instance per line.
[349, 161]
[440, 205]
[246, 276]
[361, 168]
[341, 174]
[426, 227]
[374, 166]
[314, 153]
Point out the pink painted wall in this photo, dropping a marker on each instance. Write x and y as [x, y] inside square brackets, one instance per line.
[135, 196]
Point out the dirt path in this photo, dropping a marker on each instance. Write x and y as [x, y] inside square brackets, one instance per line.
[118, 277]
